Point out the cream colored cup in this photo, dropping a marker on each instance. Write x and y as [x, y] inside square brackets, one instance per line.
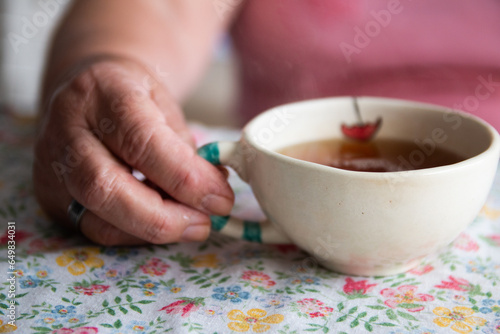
[360, 223]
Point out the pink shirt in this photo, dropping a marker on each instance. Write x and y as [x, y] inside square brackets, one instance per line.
[445, 52]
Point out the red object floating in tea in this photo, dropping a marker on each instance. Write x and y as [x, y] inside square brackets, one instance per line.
[361, 131]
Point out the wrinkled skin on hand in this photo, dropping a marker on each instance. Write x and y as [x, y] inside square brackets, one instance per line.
[109, 118]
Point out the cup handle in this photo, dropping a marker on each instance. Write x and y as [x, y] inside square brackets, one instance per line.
[227, 153]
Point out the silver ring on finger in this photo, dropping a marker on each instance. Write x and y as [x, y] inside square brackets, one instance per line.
[75, 213]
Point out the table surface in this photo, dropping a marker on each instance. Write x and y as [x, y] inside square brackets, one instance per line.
[65, 284]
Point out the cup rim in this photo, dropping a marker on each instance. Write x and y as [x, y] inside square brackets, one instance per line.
[494, 146]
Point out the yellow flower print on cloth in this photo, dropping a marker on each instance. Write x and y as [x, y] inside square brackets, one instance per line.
[255, 319]
[205, 261]
[460, 319]
[42, 273]
[7, 328]
[78, 260]
[490, 213]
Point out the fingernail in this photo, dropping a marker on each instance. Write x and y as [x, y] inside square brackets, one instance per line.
[223, 171]
[217, 205]
[198, 232]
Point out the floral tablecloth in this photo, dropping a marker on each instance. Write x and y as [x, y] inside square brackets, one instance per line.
[64, 284]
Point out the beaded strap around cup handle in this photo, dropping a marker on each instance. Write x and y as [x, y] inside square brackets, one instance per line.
[221, 153]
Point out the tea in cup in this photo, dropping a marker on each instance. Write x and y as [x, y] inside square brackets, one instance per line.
[361, 208]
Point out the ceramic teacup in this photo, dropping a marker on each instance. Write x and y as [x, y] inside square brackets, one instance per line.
[360, 223]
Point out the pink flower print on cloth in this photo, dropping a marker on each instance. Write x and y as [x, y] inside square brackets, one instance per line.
[405, 297]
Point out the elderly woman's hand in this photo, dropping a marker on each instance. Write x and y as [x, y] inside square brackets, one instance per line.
[114, 116]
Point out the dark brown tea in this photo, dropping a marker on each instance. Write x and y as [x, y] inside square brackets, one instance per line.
[379, 155]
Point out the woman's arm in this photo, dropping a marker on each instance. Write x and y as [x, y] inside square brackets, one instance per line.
[110, 103]
[174, 36]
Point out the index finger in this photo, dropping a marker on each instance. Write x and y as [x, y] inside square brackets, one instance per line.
[107, 188]
[145, 141]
